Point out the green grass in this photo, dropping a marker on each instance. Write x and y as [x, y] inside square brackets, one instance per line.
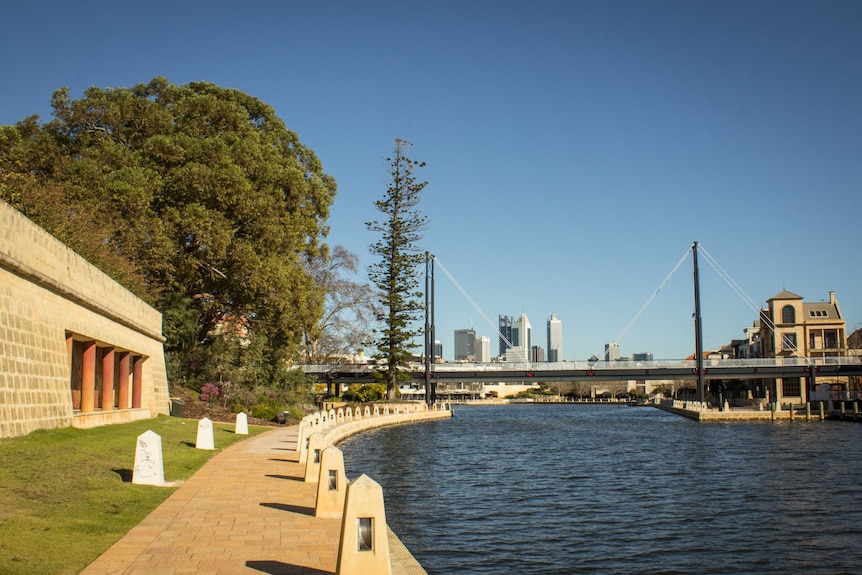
[66, 495]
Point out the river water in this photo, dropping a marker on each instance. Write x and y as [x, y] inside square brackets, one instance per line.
[557, 489]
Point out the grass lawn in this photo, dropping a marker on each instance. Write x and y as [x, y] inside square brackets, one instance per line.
[66, 494]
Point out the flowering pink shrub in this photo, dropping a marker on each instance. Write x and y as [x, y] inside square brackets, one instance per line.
[209, 392]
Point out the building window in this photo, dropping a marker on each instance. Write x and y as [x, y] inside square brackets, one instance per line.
[788, 314]
[790, 387]
[788, 341]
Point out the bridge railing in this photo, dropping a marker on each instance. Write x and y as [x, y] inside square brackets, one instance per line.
[599, 365]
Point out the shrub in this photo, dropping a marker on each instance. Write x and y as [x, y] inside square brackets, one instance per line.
[365, 392]
[209, 392]
[265, 411]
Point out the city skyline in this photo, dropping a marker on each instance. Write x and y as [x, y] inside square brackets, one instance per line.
[583, 146]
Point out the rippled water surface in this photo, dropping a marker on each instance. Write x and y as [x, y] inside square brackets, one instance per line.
[614, 489]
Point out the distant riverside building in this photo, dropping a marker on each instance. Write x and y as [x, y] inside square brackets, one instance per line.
[645, 356]
[464, 340]
[537, 355]
[612, 351]
[517, 355]
[555, 339]
[790, 327]
[482, 349]
[505, 329]
[438, 349]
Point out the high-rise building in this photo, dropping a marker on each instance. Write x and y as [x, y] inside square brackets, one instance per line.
[482, 349]
[645, 356]
[522, 332]
[464, 340]
[537, 355]
[555, 339]
[612, 351]
[505, 329]
[438, 349]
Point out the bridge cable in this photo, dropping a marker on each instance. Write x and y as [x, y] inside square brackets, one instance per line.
[473, 303]
[744, 296]
[653, 296]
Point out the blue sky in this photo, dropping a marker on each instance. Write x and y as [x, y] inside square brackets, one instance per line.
[574, 150]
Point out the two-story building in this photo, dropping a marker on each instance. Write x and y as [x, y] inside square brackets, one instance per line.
[793, 328]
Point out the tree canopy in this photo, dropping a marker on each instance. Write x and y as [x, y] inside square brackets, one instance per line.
[395, 274]
[195, 197]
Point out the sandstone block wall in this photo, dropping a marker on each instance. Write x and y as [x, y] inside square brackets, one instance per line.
[49, 295]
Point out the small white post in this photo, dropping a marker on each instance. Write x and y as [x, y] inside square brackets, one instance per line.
[205, 434]
[241, 427]
[149, 464]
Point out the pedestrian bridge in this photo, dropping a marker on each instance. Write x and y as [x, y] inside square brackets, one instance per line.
[723, 369]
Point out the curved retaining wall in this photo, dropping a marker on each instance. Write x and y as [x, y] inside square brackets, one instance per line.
[344, 430]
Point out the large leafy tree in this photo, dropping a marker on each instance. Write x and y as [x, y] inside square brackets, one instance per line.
[196, 197]
[396, 272]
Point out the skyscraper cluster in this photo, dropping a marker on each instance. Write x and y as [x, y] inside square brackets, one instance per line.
[515, 342]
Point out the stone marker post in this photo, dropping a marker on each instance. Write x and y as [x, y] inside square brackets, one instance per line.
[149, 465]
[205, 434]
[241, 424]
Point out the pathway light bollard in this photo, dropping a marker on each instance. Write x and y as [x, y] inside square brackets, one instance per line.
[364, 544]
[807, 411]
[792, 411]
[312, 461]
[821, 410]
[855, 411]
[843, 411]
[302, 438]
[331, 484]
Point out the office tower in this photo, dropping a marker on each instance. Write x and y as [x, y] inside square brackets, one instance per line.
[612, 351]
[537, 355]
[464, 340]
[522, 332]
[646, 356]
[482, 349]
[555, 339]
[505, 329]
[438, 349]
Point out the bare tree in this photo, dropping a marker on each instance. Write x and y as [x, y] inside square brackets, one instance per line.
[349, 309]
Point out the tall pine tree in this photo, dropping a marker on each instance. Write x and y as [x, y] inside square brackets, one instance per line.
[396, 272]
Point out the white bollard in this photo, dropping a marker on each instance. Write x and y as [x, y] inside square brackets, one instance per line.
[205, 434]
[241, 427]
[364, 544]
[149, 464]
[331, 484]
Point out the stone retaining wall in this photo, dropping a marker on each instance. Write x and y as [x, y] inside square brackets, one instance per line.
[53, 302]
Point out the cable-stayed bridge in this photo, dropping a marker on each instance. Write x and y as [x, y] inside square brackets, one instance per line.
[725, 369]
[700, 368]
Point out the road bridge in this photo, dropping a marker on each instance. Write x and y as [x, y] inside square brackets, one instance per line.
[713, 369]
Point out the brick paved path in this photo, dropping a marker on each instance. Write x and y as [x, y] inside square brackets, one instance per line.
[247, 511]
